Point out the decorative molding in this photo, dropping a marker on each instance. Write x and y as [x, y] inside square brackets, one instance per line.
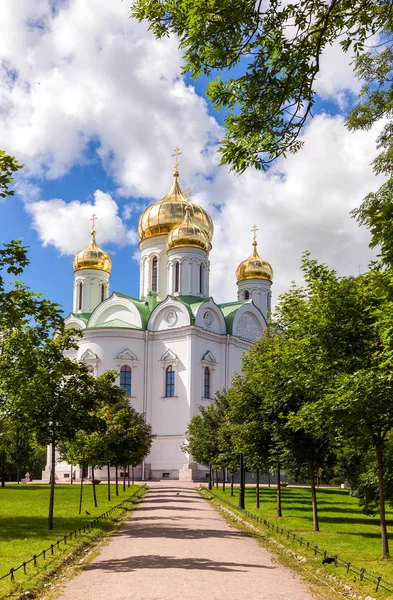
[89, 356]
[209, 358]
[126, 355]
[248, 328]
[171, 318]
[169, 356]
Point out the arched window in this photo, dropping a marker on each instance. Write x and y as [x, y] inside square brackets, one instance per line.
[201, 278]
[177, 276]
[125, 379]
[102, 292]
[206, 383]
[154, 276]
[169, 382]
[246, 295]
[80, 295]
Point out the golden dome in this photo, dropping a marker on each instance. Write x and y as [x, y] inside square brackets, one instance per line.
[92, 257]
[188, 234]
[166, 214]
[254, 267]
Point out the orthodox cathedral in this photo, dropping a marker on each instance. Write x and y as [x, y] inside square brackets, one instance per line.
[174, 346]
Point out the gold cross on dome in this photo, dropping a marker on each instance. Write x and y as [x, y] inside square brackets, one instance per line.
[254, 230]
[176, 154]
[93, 218]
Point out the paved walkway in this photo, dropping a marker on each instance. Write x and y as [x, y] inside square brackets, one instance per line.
[175, 547]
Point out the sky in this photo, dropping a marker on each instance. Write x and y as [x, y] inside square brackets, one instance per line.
[94, 106]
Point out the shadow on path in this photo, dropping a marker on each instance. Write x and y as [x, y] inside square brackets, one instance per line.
[152, 561]
[144, 530]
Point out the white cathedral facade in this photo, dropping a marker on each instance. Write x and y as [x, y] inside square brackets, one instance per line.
[174, 346]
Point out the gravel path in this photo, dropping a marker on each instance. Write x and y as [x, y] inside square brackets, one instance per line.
[175, 547]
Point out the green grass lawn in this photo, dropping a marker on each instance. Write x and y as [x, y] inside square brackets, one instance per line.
[23, 526]
[344, 529]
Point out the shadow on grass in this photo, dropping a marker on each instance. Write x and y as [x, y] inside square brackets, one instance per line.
[153, 561]
[31, 527]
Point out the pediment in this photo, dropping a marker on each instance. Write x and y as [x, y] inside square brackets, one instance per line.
[126, 355]
[89, 355]
[169, 356]
[209, 357]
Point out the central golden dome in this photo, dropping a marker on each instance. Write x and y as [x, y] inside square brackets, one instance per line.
[92, 257]
[166, 214]
[254, 267]
[188, 234]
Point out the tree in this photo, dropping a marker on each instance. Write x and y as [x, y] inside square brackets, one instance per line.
[262, 60]
[202, 438]
[53, 392]
[251, 431]
[26, 320]
[8, 166]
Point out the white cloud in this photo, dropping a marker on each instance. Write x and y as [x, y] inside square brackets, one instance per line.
[87, 72]
[67, 225]
[303, 204]
[336, 81]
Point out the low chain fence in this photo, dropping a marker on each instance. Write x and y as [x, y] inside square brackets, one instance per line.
[290, 535]
[73, 534]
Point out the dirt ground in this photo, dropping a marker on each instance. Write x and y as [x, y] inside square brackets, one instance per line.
[176, 547]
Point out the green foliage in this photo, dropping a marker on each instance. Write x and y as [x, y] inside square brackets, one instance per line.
[8, 166]
[276, 48]
[23, 529]
[344, 529]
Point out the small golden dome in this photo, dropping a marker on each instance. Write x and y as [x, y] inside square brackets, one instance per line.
[254, 267]
[92, 257]
[166, 214]
[188, 234]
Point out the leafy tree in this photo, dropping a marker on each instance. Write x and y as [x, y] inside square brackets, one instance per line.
[251, 431]
[8, 166]
[52, 391]
[26, 320]
[202, 437]
[276, 48]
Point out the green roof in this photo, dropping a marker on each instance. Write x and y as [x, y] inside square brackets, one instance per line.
[142, 307]
[119, 323]
[192, 304]
[82, 316]
[229, 310]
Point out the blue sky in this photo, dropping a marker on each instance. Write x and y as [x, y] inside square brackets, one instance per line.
[94, 109]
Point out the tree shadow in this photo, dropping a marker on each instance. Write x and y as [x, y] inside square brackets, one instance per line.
[157, 530]
[155, 561]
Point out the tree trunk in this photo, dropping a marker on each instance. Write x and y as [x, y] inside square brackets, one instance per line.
[81, 494]
[17, 475]
[133, 476]
[117, 481]
[268, 479]
[128, 474]
[210, 478]
[232, 478]
[52, 485]
[382, 517]
[257, 490]
[71, 473]
[3, 469]
[313, 496]
[279, 511]
[223, 480]
[93, 480]
[109, 482]
[217, 479]
[124, 480]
